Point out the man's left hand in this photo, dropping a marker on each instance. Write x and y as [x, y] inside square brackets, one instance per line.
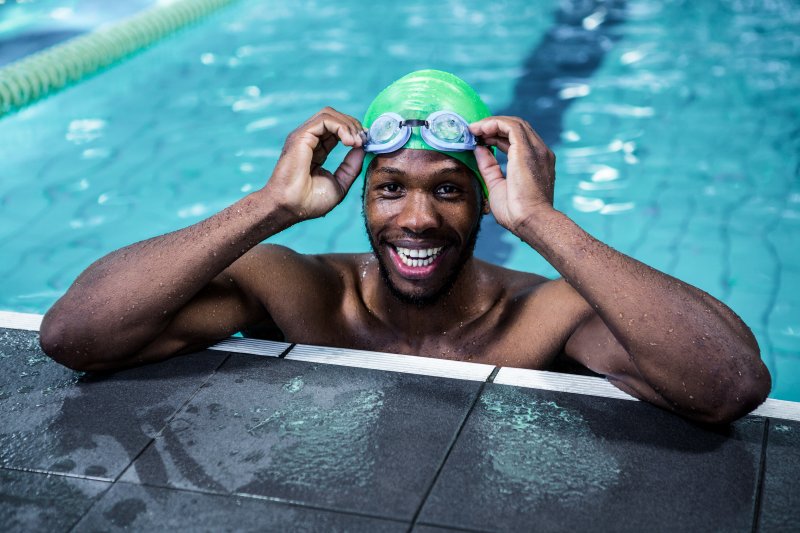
[527, 190]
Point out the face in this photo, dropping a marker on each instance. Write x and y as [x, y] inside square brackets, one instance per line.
[422, 211]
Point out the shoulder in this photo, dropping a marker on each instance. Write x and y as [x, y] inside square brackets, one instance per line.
[537, 300]
[276, 272]
[517, 284]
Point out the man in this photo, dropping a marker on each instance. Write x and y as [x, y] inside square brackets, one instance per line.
[420, 291]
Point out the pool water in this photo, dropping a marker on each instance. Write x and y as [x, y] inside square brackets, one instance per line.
[674, 124]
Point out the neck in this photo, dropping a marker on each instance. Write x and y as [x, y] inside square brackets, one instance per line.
[465, 301]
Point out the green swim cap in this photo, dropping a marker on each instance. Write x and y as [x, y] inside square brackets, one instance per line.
[417, 95]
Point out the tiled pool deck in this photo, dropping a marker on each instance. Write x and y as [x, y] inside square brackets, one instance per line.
[272, 436]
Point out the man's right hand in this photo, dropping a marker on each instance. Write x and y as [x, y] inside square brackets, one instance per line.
[299, 184]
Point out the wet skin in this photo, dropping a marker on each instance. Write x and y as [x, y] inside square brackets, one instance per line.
[421, 291]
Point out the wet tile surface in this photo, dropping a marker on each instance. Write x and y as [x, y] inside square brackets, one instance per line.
[530, 459]
[30, 501]
[139, 508]
[340, 438]
[780, 499]
[266, 443]
[55, 419]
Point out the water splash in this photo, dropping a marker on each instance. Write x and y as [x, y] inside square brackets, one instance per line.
[294, 385]
[319, 446]
[538, 450]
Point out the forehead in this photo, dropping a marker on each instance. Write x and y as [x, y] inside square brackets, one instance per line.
[419, 163]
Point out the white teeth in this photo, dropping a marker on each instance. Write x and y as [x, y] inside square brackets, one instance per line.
[418, 258]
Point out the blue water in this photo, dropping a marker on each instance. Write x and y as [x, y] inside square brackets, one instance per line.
[675, 125]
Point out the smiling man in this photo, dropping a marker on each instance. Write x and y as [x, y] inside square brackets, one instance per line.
[431, 175]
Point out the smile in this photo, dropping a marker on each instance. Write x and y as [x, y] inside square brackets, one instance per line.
[418, 257]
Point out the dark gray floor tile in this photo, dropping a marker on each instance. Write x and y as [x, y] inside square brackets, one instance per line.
[30, 501]
[331, 436]
[545, 461]
[55, 419]
[128, 507]
[780, 497]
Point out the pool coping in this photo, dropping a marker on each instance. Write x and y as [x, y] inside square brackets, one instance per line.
[412, 364]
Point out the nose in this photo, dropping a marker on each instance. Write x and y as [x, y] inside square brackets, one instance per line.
[418, 213]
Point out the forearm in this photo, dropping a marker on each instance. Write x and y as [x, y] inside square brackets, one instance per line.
[689, 347]
[129, 296]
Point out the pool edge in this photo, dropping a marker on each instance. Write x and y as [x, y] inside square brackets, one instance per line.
[412, 364]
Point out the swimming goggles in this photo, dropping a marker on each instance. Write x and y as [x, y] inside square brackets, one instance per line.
[442, 130]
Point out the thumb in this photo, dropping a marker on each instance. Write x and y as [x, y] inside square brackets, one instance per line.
[489, 167]
[350, 168]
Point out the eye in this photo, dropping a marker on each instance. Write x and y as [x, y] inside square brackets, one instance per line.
[390, 189]
[447, 190]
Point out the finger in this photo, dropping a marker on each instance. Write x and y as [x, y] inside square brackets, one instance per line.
[492, 127]
[488, 167]
[353, 125]
[514, 129]
[499, 142]
[350, 168]
[336, 126]
[327, 143]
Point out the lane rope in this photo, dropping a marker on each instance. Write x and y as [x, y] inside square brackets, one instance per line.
[43, 73]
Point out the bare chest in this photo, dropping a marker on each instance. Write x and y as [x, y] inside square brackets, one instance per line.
[492, 340]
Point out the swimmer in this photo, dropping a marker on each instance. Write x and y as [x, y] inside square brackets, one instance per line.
[428, 144]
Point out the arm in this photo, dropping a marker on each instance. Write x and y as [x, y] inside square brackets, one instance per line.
[186, 289]
[652, 335]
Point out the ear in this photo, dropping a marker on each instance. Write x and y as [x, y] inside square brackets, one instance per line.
[485, 206]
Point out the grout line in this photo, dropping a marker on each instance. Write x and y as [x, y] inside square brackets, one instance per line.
[61, 474]
[286, 351]
[149, 443]
[762, 466]
[97, 499]
[446, 456]
[167, 422]
[261, 497]
[297, 503]
[454, 528]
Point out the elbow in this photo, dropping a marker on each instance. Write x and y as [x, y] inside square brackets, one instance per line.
[55, 339]
[751, 391]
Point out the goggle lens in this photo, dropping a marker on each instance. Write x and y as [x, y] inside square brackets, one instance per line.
[384, 129]
[447, 128]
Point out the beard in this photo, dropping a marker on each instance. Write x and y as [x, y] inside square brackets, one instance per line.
[424, 300]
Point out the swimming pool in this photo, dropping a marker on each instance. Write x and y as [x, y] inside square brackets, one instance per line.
[674, 123]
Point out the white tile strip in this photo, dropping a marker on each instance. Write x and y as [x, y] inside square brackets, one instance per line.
[28, 321]
[592, 386]
[520, 377]
[556, 381]
[409, 364]
[779, 409]
[251, 346]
